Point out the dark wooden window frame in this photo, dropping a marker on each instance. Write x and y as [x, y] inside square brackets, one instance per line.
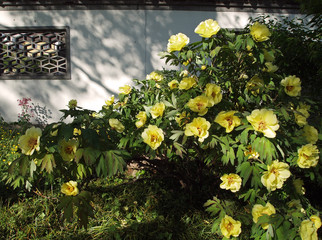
[35, 53]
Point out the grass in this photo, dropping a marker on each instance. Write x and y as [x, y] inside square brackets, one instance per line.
[125, 207]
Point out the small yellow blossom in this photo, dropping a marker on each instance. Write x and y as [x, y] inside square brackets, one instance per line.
[251, 153]
[275, 176]
[116, 125]
[199, 104]
[228, 120]
[260, 210]
[156, 76]
[311, 134]
[264, 121]
[203, 67]
[213, 92]
[316, 220]
[198, 127]
[126, 89]
[308, 231]
[157, 110]
[142, 119]
[67, 149]
[301, 114]
[70, 188]
[72, 104]
[29, 142]
[231, 182]
[173, 84]
[188, 82]
[207, 28]
[177, 42]
[230, 227]
[308, 156]
[153, 136]
[110, 101]
[292, 86]
[259, 32]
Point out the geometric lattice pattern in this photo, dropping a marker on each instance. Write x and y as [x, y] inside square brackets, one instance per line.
[33, 52]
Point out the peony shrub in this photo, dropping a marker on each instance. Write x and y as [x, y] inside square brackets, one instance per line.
[228, 120]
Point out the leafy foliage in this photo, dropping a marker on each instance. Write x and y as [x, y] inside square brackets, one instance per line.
[229, 108]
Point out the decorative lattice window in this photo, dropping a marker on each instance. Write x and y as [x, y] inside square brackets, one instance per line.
[34, 53]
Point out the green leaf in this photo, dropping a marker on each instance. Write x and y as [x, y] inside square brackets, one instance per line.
[24, 165]
[48, 163]
[33, 168]
[179, 149]
[176, 134]
[215, 52]
[90, 155]
[245, 169]
[79, 154]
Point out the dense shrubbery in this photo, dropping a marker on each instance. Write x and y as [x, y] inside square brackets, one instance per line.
[233, 123]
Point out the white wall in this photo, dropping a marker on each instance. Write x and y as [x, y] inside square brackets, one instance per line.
[108, 49]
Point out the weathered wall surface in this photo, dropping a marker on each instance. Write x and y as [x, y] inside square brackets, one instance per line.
[108, 49]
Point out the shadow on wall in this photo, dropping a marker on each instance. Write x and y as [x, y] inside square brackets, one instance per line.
[108, 49]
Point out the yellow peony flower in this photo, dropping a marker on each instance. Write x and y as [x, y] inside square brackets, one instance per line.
[126, 89]
[207, 28]
[213, 92]
[67, 149]
[228, 120]
[270, 67]
[157, 110]
[311, 134]
[301, 114]
[308, 156]
[182, 118]
[156, 76]
[251, 153]
[299, 186]
[70, 188]
[198, 127]
[72, 104]
[177, 42]
[255, 85]
[230, 227]
[264, 121]
[292, 85]
[316, 220]
[308, 230]
[110, 101]
[199, 104]
[173, 84]
[29, 142]
[116, 125]
[153, 136]
[275, 176]
[231, 182]
[187, 83]
[259, 32]
[142, 119]
[260, 210]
